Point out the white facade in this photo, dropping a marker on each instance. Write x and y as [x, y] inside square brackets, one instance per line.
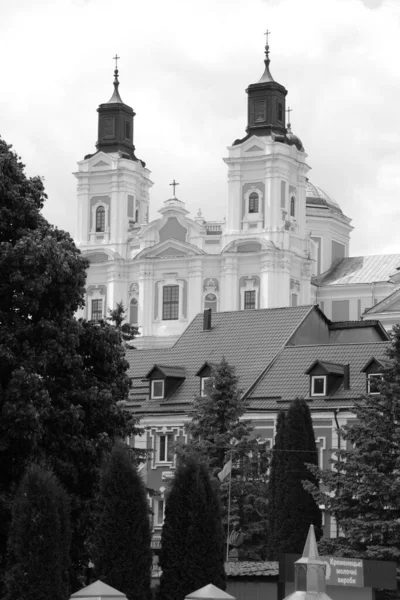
[280, 231]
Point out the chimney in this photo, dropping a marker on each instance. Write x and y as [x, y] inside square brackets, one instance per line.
[346, 377]
[207, 319]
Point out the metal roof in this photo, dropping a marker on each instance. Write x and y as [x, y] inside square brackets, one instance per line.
[360, 269]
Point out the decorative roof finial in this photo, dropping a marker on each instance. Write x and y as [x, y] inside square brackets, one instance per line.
[267, 33]
[288, 110]
[267, 77]
[174, 184]
[115, 97]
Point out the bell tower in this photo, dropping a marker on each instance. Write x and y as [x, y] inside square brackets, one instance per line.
[266, 195]
[113, 184]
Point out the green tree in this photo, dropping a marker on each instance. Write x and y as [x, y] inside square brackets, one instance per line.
[362, 491]
[63, 382]
[298, 509]
[38, 545]
[192, 543]
[117, 316]
[121, 550]
[275, 489]
[217, 432]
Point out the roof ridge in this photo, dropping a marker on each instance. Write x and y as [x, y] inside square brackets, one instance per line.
[341, 344]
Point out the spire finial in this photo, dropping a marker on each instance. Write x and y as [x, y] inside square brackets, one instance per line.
[174, 184]
[115, 97]
[289, 110]
[267, 33]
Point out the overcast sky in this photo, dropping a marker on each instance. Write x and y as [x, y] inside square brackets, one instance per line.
[184, 68]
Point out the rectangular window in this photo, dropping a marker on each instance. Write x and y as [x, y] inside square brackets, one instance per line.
[170, 302]
[318, 385]
[338, 251]
[109, 127]
[280, 112]
[97, 310]
[321, 444]
[373, 380]
[159, 512]
[294, 299]
[157, 388]
[127, 130]
[204, 385]
[260, 111]
[249, 300]
[165, 447]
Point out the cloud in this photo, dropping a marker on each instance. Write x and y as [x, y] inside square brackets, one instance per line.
[184, 69]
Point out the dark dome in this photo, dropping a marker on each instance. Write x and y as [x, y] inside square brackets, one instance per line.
[293, 140]
[317, 197]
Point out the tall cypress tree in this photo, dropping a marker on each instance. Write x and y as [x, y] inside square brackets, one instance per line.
[192, 546]
[121, 550]
[275, 488]
[39, 541]
[296, 505]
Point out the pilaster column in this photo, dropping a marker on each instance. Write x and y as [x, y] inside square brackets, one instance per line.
[230, 287]
[195, 290]
[146, 298]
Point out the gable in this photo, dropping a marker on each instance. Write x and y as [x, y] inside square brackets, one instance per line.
[101, 163]
[173, 230]
[171, 251]
[97, 257]
[254, 149]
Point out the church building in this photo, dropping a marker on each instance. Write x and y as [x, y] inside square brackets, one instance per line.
[284, 241]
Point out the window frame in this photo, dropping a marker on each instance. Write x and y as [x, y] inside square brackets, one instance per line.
[203, 381]
[313, 378]
[254, 203]
[169, 439]
[245, 302]
[101, 227]
[170, 307]
[292, 207]
[369, 377]
[153, 382]
[158, 502]
[98, 311]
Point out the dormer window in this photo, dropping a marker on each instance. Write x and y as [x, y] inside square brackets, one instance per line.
[164, 381]
[326, 378]
[374, 376]
[205, 383]
[373, 381]
[253, 202]
[157, 389]
[318, 385]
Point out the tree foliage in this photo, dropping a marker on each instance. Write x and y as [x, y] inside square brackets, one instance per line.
[293, 507]
[362, 491]
[38, 545]
[276, 493]
[192, 542]
[117, 317]
[62, 381]
[218, 431]
[121, 550]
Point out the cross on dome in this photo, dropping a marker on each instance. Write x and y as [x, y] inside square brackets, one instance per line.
[174, 184]
[288, 110]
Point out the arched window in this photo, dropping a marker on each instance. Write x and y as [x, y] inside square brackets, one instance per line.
[210, 301]
[253, 203]
[133, 312]
[292, 206]
[136, 215]
[100, 219]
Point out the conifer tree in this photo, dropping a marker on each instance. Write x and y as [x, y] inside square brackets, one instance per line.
[275, 488]
[296, 505]
[121, 550]
[38, 545]
[363, 488]
[219, 432]
[126, 331]
[192, 543]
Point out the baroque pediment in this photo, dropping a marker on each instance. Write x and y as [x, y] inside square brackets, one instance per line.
[170, 248]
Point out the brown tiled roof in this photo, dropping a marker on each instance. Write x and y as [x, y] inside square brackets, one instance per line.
[287, 379]
[360, 269]
[251, 568]
[248, 339]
